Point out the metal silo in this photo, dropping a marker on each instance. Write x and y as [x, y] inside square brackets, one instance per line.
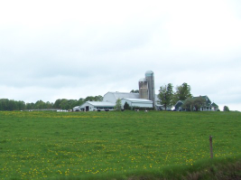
[151, 86]
[143, 89]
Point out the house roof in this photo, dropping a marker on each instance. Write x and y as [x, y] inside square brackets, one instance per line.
[76, 107]
[179, 102]
[208, 101]
[205, 97]
[214, 105]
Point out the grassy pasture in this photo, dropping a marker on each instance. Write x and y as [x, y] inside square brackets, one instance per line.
[49, 145]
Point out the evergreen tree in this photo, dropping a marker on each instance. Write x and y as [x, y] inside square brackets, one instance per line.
[127, 106]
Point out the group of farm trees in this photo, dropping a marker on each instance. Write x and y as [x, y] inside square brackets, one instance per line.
[183, 93]
[10, 105]
[191, 103]
[169, 98]
[134, 91]
[70, 103]
[6, 104]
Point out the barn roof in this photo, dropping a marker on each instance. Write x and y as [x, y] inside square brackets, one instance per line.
[98, 103]
[138, 100]
[120, 95]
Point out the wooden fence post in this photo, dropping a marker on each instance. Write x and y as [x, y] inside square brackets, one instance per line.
[211, 146]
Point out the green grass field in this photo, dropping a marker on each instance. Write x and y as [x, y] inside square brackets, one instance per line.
[49, 145]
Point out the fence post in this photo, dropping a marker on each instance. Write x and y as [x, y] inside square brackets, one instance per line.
[211, 146]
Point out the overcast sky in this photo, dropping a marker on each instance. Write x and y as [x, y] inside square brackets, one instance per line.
[53, 49]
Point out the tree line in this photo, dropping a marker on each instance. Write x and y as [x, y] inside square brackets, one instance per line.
[12, 105]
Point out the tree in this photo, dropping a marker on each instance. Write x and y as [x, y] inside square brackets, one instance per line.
[118, 105]
[4, 104]
[89, 98]
[182, 93]
[57, 103]
[226, 109]
[198, 103]
[30, 106]
[134, 91]
[193, 103]
[93, 98]
[21, 105]
[188, 104]
[166, 95]
[12, 105]
[40, 105]
[79, 102]
[64, 104]
[127, 106]
[99, 98]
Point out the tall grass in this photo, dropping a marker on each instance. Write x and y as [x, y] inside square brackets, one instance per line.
[48, 145]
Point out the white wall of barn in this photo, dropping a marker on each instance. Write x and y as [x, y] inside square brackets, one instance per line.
[109, 97]
[83, 106]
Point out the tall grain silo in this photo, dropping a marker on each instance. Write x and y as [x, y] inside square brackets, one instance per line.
[151, 86]
[143, 89]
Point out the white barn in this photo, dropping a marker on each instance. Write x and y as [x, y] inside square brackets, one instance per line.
[133, 99]
[109, 102]
[137, 103]
[137, 100]
[113, 96]
[95, 106]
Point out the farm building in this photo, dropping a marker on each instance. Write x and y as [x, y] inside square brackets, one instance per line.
[95, 106]
[145, 99]
[207, 106]
[132, 98]
[113, 96]
[145, 96]
[215, 107]
[137, 103]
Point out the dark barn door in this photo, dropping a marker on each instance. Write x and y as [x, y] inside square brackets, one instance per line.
[87, 108]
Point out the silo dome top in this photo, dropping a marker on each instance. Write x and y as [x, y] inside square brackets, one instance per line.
[142, 80]
[149, 73]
